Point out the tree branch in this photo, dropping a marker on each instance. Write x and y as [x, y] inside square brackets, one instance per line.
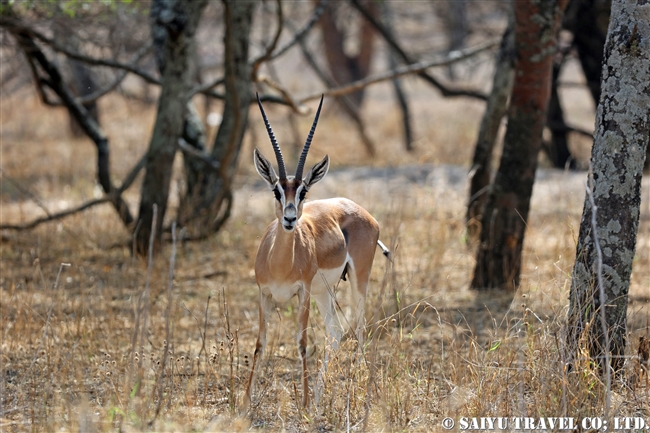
[26, 192]
[59, 215]
[193, 151]
[345, 102]
[300, 34]
[452, 57]
[269, 50]
[116, 82]
[446, 91]
[16, 26]
[112, 198]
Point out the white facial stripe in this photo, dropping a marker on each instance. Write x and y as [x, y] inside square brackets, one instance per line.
[301, 189]
[278, 191]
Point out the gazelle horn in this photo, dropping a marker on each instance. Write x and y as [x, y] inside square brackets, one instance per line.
[305, 149]
[276, 148]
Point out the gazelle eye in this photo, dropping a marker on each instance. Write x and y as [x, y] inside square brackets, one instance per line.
[303, 192]
[276, 192]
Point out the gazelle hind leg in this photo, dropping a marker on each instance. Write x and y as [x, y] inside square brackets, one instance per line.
[333, 334]
[358, 288]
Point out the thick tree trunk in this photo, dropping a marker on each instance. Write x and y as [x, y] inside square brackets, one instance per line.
[495, 109]
[498, 261]
[180, 19]
[601, 274]
[207, 203]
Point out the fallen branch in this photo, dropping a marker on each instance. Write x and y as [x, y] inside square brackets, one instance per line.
[110, 198]
[26, 192]
[59, 215]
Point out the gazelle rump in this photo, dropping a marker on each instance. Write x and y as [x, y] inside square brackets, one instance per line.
[307, 249]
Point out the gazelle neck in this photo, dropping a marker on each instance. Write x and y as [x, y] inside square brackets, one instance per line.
[281, 254]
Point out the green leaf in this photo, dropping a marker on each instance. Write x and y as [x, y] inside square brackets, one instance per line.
[495, 345]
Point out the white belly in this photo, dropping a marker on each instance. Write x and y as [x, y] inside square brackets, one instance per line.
[323, 281]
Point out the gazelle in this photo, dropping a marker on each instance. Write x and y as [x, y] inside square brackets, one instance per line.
[307, 250]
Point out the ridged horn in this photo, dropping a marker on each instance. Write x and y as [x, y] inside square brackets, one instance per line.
[305, 149]
[276, 148]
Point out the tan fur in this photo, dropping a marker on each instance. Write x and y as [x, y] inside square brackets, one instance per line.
[306, 251]
[288, 264]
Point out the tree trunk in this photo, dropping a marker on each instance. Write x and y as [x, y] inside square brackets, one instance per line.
[193, 128]
[402, 100]
[601, 274]
[558, 149]
[78, 76]
[179, 18]
[495, 109]
[457, 28]
[207, 203]
[343, 67]
[498, 261]
[587, 20]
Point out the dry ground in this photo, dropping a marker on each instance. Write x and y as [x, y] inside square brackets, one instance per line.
[85, 327]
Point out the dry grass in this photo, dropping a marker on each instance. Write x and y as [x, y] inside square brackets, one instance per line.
[74, 305]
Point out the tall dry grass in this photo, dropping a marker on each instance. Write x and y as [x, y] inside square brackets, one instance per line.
[95, 340]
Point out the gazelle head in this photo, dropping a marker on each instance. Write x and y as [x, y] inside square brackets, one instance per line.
[289, 191]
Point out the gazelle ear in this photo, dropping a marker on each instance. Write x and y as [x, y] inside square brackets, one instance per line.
[264, 168]
[317, 172]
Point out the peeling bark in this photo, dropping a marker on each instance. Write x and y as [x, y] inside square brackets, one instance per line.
[618, 154]
[498, 260]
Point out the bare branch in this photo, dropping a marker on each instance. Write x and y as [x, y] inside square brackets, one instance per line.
[446, 91]
[343, 100]
[59, 215]
[116, 82]
[26, 192]
[288, 99]
[267, 53]
[452, 57]
[112, 198]
[300, 34]
[25, 29]
[193, 151]
[206, 89]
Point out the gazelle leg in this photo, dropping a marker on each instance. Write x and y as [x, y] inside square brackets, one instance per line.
[303, 321]
[333, 334]
[358, 288]
[266, 304]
